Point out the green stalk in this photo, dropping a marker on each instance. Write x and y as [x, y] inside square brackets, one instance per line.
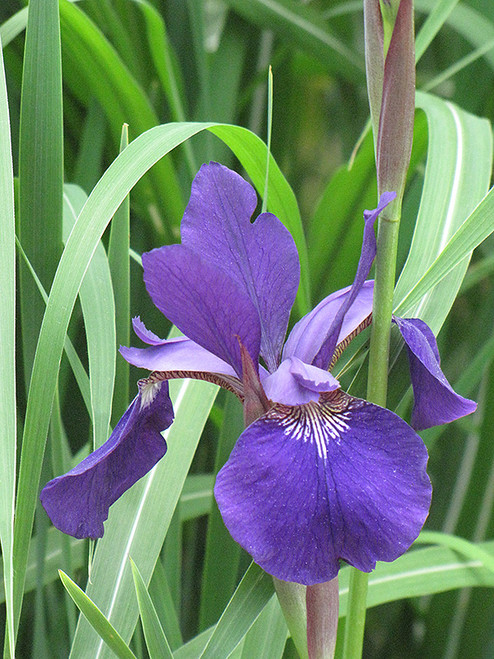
[377, 384]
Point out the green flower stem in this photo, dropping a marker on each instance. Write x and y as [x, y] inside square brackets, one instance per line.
[387, 243]
[355, 614]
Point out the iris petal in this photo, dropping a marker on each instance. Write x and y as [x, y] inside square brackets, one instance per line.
[308, 335]
[144, 334]
[179, 354]
[311, 484]
[325, 354]
[260, 257]
[203, 302]
[294, 382]
[78, 502]
[435, 401]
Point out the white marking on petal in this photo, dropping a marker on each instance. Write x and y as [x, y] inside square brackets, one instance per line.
[149, 391]
[316, 423]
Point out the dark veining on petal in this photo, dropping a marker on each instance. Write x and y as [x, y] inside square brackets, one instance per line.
[228, 382]
[343, 345]
[316, 422]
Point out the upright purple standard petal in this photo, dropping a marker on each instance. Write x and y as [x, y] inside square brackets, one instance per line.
[435, 401]
[325, 354]
[311, 484]
[260, 257]
[203, 302]
[78, 502]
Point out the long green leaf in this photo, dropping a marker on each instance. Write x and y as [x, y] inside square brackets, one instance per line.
[98, 308]
[98, 621]
[252, 595]
[156, 642]
[436, 19]
[118, 258]
[40, 164]
[267, 636]
[421, 572]
[473, 25]
[221, 554]
[457, 176]
[91, 57]
[7, 355]
[303, 26]
[13, 26]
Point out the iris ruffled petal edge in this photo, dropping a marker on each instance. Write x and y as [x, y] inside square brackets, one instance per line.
[435, 401]
[308, 485]
[78, 502]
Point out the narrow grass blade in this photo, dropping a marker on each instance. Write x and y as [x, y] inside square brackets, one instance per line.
[474, 230]
[40, 164]
[472, 24]
[422, 572]
[118, 257]
[156, 642]
[98, 621]
[267, 636]
[13, 27]
[220, 571]
[252, 595]
[193, 648]
[98, 308]
[91, 57]
[168, 72]
[197, 496]
[432, 25]
[468, 549]
[54, 557]
[159, 590]
[7, 356]
[457, 176]
[303, 26]
[89, 164]
[76, 365]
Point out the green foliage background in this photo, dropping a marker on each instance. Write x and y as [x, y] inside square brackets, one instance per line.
[190, 80]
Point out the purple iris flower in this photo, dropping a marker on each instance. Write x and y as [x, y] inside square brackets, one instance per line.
[318, 475]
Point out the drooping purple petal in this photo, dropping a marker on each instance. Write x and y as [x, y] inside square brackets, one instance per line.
[203, 302]
[78, 502]
[435, 401]
[260, 257]
[311, 484]
[325, 354]
[307, 336]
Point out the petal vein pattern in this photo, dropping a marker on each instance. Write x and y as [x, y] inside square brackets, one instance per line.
[205, 304]
[308, 485]
[260, 257]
